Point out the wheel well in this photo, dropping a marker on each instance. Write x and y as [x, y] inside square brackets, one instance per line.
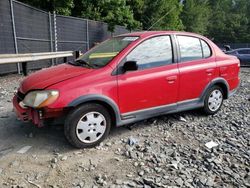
[224, 89]
[107, 106]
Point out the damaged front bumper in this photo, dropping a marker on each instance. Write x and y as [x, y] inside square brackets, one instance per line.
[27, 114]
[36, 116]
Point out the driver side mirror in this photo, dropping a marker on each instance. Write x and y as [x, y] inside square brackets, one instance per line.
[130, 66]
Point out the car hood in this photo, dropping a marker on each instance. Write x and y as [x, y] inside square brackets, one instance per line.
[49, 76]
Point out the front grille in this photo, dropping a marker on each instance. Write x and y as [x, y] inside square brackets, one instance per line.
[20, 96]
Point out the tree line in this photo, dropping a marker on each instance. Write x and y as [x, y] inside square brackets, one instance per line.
[223, 21]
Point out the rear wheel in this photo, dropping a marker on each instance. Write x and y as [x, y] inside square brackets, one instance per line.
[213, 100]
[87, 125]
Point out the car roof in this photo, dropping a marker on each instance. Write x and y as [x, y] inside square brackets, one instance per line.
[238, 49]
[143, 34]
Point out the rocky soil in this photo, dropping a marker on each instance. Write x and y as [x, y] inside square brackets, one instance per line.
[168, 151]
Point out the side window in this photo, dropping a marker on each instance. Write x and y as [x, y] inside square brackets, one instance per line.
[244, 52]
[190, 48]
[206, 49]
[153, 52]
[241, 52]
[233, 53]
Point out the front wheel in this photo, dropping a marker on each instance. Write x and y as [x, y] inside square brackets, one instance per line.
[87, 125]
[213, 100]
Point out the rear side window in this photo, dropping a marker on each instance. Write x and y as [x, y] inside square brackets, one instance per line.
[192, 48]
[206, 49]
[153, 52]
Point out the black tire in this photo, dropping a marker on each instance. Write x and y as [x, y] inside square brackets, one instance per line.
[206, 108]
[70, 126]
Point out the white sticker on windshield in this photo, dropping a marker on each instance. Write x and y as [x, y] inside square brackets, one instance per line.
[130, 38]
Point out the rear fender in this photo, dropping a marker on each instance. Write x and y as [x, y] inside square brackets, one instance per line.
[217, 81]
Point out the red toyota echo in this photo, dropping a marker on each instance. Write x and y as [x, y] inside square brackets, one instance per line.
[129, 78]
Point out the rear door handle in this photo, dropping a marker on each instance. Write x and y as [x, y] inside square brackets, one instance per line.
[210, 71]
[171, 79]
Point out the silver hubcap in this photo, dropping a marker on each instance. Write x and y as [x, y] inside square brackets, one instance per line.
[91, 127]
[215, 100]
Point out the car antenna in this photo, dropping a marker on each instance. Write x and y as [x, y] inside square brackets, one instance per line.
[161, 18]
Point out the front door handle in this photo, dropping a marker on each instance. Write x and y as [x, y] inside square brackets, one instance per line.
[171, 79]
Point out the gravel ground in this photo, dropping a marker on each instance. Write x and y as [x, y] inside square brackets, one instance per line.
[168, 151]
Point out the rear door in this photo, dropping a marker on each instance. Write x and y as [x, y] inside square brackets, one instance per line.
[155, 83]
[196, 65]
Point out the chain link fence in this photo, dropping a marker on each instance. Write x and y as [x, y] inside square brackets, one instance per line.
[25, 29]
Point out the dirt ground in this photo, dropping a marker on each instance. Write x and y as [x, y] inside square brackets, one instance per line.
[168, 151]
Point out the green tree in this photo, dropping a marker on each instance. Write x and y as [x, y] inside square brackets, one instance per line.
[229, 21]
[241, 13]
[137, 8]
[162, 15]
[222, 20]
[60, 6]
[195, 16]
[114, 12]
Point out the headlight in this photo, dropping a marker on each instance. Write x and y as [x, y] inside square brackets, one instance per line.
[39, 99]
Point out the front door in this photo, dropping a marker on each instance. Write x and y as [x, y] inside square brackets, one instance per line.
[155, 83]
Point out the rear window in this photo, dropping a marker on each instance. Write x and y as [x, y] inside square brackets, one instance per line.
[192, 48]
[206, 49]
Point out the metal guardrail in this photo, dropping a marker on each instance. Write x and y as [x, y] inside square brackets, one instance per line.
[18, 58]
[24, 58]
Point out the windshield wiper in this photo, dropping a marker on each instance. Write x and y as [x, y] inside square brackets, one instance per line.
[73, 63]
[96, 65]
[80, 62]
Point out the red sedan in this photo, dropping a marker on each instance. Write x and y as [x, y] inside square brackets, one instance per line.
[129, 78]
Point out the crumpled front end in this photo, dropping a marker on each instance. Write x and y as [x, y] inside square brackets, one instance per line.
[36, 116]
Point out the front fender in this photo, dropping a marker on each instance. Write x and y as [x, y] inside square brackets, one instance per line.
[98, 98]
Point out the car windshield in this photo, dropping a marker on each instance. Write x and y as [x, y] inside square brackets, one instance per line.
[103, 53]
